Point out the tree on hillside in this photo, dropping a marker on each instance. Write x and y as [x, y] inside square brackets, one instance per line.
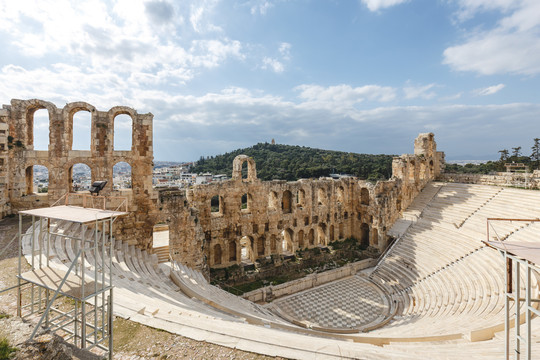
[516, 153]
[535, 156]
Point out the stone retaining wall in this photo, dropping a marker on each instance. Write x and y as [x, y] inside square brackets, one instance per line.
[272, 292]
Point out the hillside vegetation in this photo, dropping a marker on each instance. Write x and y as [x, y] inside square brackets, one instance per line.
[287, 162]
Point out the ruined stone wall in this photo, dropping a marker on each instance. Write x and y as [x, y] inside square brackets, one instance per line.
[214, 225]
[20, 157]
[243, 219]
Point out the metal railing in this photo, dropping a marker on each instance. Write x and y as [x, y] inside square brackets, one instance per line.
[92, 201]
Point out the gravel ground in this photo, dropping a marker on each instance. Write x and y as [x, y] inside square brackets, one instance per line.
[132, 341]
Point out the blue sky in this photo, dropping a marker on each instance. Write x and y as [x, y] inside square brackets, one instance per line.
[360, 75]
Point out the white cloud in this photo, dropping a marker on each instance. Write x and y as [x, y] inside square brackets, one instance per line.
[273, 64]
[413, 92]
[490, 90]
[285, 50]
[375, 5]
[261, 7]
[511, 46]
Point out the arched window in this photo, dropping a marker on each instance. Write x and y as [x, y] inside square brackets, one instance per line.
[246, 202]
[286, 202]
[80, 177]
[321, 196]
[364, 196]
[232, 251]
[217, 254]
[260, 246]
[332, 233]
[311, 237]
[273, 244]
[301, 239]
[341, 232]
[301, 198]
[40, 129]
[37, 180]
[245, 170]
[340, 195]
[364, 235]
[123, 129]
[246, 250]
[321, 234]
[121, 176]
[215, 204]
[287, 244]
[82, 130]
[272, 200]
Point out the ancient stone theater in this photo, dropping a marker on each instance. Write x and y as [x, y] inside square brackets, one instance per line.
[448, 280]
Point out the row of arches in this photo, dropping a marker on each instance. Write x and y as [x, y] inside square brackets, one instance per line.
[79, 177]
[287, 201]
[248, 248]
[39, 125]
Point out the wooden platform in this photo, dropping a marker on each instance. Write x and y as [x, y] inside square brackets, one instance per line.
[75, 214]
[50, 278]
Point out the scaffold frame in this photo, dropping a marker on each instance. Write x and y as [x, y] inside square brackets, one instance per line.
[519, 308]
[86, 318]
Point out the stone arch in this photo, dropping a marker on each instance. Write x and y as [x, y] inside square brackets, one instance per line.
[287, 244]
[321, 234]
[121, 173]
[245, 201]
[272, 200]
[69, 113]
[286, 202]
[216, 205]
[74, 181]
[375, 237]
[331, 235]
[237, 168]
[246, 249]
[311, 237]
[431, 167]
[261, 246]
[321, 196]
[340, 195]
[232, 251]
[364, 196]
[341, 231]
[273, 244]
[300, 198]
[33, 106]
[364, 235]
[112, 114]
[217, 253]
[300, 237]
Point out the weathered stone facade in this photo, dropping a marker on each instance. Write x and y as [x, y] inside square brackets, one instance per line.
[18, 158]
[213, 225]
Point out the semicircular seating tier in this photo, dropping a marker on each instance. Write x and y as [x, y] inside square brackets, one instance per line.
[441, 290]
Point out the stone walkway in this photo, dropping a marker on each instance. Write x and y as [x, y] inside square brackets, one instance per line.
[350, 303]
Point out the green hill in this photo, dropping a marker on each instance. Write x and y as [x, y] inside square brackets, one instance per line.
[286, 162]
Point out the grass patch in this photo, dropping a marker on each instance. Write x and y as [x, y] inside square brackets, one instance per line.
[4, 316]
[5, 349]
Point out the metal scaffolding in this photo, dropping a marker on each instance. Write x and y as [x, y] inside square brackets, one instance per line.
[519, 258]
[70, 250]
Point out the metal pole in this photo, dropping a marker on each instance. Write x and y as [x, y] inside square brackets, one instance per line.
[516, 319]
[83, 302]
[110, 325]
[528, 310]
[19, 298]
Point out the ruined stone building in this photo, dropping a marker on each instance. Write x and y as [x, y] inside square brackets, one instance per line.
[212, 225]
